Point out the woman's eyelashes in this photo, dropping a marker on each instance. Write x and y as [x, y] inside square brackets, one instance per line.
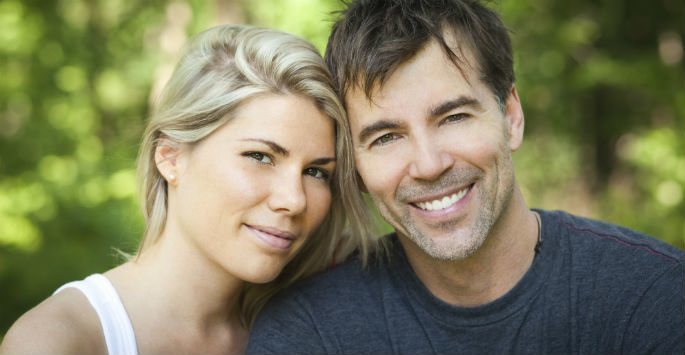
[318, 173]
[264, 158]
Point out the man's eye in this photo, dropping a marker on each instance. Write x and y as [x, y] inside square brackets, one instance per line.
[456, 117]
[260, 157]
[384, 139]
[317, 173]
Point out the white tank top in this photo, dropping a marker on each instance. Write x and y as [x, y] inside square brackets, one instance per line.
[116, 325]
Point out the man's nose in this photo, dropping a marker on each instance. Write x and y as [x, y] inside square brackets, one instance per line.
[430, 160]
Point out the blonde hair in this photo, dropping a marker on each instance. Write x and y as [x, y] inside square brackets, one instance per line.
[221, 68]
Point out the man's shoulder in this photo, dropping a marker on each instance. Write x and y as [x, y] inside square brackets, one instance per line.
[600, 250]
[603, 236]
[637, 281]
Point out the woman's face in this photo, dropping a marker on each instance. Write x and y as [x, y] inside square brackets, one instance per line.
[249, 195]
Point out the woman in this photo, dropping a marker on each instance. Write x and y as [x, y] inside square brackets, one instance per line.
[242, 169]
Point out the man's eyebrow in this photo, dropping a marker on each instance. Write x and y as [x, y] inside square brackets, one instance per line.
[273, 145]
[450, 105]
[369, 130]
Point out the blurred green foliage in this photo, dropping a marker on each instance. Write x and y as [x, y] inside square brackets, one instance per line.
[603, 89]
[602, 83]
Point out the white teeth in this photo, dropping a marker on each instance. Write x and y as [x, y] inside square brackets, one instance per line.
[447, 201]
[443, 203]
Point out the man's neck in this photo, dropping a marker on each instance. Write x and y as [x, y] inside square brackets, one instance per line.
[492, 270]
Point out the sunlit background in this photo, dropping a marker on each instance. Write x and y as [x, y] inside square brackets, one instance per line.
[602, 84]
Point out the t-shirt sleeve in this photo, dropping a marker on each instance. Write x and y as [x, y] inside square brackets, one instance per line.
[658, 324]
[285, 326]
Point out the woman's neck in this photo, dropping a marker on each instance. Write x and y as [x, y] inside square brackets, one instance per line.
[172, 288]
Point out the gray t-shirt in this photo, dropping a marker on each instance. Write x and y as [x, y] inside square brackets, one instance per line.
[593, 288]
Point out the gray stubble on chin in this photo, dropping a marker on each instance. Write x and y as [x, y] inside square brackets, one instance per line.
[455, 247]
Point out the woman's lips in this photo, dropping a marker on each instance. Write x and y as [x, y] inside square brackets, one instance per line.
[273, 237]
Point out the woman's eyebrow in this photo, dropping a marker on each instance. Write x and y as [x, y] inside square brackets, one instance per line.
[273, 145]
[323, 161]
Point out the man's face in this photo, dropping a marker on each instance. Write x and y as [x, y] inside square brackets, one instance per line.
[433, 149]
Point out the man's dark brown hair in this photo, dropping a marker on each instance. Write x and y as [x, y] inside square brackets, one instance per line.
[372, 38]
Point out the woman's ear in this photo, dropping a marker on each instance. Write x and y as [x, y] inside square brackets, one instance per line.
[360, 183]
[166, 159]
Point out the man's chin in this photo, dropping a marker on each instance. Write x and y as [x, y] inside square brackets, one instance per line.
[449, 252]
[447, 247]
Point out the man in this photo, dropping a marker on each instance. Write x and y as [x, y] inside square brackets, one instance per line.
[435, 117]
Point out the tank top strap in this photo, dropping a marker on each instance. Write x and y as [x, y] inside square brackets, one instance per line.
[115, 322]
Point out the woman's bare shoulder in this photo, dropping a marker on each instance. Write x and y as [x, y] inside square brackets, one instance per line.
[65, 323]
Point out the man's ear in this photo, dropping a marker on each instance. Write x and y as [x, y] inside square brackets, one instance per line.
[515, 120]
[166, 159]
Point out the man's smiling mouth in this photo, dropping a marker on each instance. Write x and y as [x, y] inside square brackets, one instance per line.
[444, 202]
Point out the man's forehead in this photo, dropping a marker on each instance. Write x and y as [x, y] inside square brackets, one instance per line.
[358, 103]
[463, 59]
[357, 95]
[360, 95]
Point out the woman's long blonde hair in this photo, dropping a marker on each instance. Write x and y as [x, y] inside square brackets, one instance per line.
[221, 68]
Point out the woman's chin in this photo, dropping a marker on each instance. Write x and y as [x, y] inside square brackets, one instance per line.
[262, 276]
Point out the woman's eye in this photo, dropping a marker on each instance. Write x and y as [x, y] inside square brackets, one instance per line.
[317, 173]
[260, 157]
[384, 139]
